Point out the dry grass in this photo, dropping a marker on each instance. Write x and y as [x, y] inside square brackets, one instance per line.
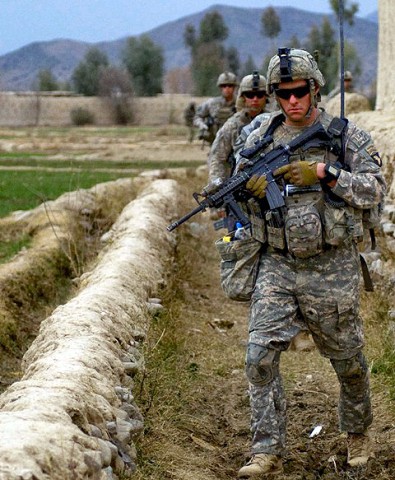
[193, 393]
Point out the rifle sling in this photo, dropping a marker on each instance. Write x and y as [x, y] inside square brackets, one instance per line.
[367, 279]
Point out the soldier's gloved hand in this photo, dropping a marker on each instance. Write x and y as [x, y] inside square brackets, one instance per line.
[301, 174]
[257, 185]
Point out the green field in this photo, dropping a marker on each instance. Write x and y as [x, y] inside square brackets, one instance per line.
[24, 190]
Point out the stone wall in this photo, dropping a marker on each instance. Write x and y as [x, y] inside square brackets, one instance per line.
[21, 109]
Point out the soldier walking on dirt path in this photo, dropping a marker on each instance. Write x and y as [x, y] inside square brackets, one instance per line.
[307, 271]
[212, 114]
[251, 101]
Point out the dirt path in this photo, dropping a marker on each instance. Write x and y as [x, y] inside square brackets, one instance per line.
[194, 392]
[198, 412]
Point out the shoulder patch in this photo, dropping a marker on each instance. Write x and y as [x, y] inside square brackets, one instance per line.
[372, 151]
[359, 139]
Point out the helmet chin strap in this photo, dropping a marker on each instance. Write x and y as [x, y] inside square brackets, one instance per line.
[313, 97]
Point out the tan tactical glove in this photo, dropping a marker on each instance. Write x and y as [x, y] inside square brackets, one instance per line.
[257, 185]
[301, 174]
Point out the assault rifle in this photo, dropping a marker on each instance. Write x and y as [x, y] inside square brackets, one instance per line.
[228, 192]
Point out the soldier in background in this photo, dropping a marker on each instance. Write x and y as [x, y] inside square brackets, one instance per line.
[251, 101]
[348, 86]
[189, 115]
[212, 114]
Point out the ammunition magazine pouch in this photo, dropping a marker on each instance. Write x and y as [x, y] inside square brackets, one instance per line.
[342, 224]
[239, 266]
[308, 223]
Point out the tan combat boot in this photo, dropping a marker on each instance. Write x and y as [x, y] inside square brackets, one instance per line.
[358, 449]
[261, 464]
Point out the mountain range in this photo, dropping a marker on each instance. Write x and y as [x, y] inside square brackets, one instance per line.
[19, 68]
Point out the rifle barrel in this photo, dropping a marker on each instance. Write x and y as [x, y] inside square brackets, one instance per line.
[186, 217]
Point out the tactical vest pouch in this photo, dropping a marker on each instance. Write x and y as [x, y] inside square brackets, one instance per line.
[239, 266]
[303, 231]
[342, 224]
[223, 114]
[275, 230]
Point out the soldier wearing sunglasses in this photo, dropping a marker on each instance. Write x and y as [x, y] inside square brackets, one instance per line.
[308, 274]
[251, 101]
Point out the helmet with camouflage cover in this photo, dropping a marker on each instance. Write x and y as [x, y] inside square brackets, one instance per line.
[254, 82]
[227, 78]
[294, 64]
[250, 83]
[347, 75]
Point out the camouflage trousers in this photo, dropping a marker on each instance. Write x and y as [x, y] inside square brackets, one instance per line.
[321, 294]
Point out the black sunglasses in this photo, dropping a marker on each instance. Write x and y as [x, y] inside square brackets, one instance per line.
[223, 85]
[251, 95]
[299, 92]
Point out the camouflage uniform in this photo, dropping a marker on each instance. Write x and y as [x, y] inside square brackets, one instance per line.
[218, 110]
[189, 115]
[320, 292]
[221, 160]
[221, 156]
[245, 131]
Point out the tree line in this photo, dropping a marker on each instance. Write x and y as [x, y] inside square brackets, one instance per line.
[141, 71]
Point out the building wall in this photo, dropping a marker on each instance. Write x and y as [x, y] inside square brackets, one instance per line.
[34, 109]
[386, 63]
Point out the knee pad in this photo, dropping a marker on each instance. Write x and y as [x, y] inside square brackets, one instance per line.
[261, 364]
[355, 367]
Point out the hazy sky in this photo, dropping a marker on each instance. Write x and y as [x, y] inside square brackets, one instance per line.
[26, 21]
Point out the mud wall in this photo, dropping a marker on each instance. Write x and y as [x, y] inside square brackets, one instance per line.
[20, 109]
[72, 414]
[386, 72]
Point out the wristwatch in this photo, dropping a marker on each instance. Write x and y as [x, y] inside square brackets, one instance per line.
[331, 173]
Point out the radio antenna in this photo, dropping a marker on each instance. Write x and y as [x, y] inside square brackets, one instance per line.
[341, 31]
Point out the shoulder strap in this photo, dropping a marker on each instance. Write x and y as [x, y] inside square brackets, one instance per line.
[337, 130]
[276, 122]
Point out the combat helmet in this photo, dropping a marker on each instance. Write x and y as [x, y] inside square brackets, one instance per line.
[294, 64]
[254, 82]
[227, 78]
[347, 75]
[250, 83]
